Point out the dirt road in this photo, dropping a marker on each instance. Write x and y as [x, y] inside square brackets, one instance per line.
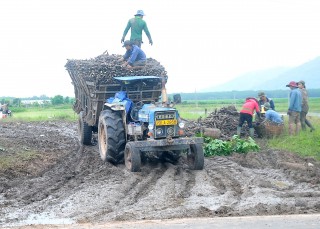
[59, 181]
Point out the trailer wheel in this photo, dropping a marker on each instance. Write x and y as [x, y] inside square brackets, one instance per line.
[111, 136]
[195, 157]
[132, 158]
[84, 131]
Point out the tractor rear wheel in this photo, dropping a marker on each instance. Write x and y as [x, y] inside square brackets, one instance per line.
[132, 158]
[84, 131]
[195, 157]
[111, 136]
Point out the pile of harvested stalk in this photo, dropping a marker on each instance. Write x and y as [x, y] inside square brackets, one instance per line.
[103, 68]
[226, 119]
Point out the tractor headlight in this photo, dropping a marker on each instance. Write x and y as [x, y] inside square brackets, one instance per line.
[159, 131]
[170, 131]
[181, 125]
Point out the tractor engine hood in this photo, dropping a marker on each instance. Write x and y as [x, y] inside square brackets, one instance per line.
[147, 112]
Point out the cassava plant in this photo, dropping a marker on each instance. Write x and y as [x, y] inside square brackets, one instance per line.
[216, 147]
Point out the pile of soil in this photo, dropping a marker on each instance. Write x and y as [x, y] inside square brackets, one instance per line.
[68, 183]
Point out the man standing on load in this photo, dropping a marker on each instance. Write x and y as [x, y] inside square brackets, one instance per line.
[137, 24]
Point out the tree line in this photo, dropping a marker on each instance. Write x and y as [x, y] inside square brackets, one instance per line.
[42, 100]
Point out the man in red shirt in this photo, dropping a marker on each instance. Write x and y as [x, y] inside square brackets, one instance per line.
[246, 114]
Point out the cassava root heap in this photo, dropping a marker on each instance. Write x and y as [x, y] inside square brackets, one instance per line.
[226, 119]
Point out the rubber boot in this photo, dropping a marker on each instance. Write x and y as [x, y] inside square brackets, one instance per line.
[239, 131]
[251, 132]
[309, 125]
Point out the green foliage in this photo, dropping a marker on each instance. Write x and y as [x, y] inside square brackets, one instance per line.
[16, 102]
[217, 147]
[35, 101]
[5, 101]
[66, 100]
[58, 99]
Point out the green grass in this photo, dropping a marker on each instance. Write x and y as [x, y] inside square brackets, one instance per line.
[305, 144]
[63, 112]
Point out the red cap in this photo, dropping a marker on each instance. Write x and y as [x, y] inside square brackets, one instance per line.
[292, 84]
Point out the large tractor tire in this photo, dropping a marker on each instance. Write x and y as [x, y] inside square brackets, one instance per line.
[84, 131]
[195, 157]
[111, 136]
[132, 158]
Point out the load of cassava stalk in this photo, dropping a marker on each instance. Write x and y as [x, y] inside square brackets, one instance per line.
[103, 68]
[226, 119]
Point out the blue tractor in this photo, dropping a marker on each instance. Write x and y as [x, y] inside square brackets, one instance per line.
[133, 120]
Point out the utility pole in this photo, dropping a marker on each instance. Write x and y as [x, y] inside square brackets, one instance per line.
[195, 92]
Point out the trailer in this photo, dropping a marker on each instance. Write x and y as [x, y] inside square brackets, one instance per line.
[130, 114]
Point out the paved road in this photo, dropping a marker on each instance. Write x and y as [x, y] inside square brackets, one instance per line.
[257, 222]
[250, 222]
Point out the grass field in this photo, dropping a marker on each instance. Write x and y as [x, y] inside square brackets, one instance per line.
[306, 143]
[43, 113]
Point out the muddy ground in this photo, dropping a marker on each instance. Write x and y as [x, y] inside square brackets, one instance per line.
[59, 181]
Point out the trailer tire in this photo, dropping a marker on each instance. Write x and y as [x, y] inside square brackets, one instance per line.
[111, 136]
[132, 158]
[195, 157]
[84, 130]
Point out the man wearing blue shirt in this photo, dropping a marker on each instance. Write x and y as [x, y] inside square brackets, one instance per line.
[272, 115]
[295, 106]
[134, 56]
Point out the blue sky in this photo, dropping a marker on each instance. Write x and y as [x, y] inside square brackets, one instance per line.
[200, 43]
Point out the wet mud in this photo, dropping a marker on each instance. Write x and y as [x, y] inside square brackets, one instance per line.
[62, 182]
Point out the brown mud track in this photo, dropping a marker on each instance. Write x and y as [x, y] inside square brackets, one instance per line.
[68, 183]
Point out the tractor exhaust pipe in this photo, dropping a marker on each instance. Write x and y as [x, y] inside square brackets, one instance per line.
[164, 95]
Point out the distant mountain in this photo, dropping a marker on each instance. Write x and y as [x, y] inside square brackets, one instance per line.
[275, 78]
[309, 72]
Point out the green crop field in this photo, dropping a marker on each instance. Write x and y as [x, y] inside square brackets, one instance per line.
[42, 113]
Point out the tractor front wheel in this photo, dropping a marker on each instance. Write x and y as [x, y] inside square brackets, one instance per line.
[132, 158]
[195, 157]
